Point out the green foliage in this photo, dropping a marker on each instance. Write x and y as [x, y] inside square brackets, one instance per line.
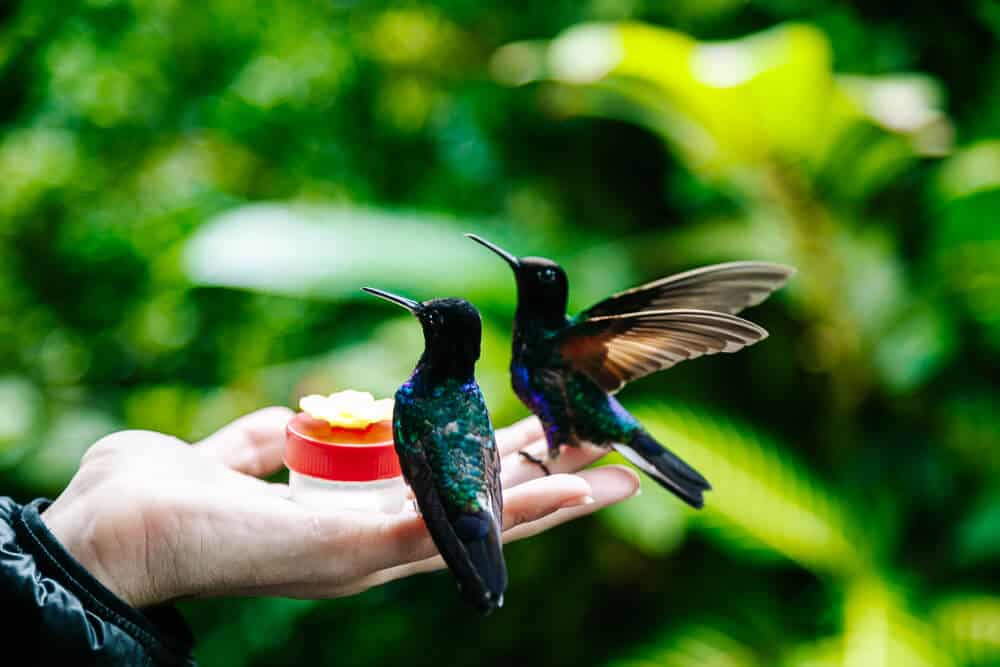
[762, 500]
[191, 195]
[879, 631]
[971, 625]
[967, 241]
[694, 646]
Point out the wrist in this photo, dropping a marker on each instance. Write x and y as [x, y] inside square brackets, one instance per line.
[77, 523]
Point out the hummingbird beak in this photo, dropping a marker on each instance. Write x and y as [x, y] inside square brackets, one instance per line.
[509, 258]
[409, 304]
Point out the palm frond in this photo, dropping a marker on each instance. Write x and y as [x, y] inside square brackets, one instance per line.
[761, 498]
[879, 631]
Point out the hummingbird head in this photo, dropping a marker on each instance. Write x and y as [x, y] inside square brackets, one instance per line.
[542, 285]
[452, 328]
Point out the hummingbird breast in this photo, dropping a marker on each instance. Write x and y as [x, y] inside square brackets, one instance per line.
[449, 426]
[570, 404]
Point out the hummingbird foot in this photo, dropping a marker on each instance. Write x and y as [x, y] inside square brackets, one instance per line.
[537, 461]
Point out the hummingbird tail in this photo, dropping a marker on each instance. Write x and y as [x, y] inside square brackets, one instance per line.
[480, 534]
[665, 467]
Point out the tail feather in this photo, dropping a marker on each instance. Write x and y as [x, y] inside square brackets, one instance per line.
[480, 535]
[666, 468]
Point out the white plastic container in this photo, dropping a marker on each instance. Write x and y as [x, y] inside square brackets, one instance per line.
[333, 467]
[382, 495]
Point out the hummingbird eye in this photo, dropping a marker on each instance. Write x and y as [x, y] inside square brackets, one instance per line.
[547, 275]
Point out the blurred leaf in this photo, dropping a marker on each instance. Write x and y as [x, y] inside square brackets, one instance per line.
[914, 348]
[332, 251]
[652, 521]
[749, 98]
[759, 235]
[769, 97]
[968, 253]
[971, 626]
[72, 429]
[970, 427]
[693, 646]
[910, 105]
[164, 408]
[20, 407]
[979, 532]
[880, 632]
[33, 161]
[412, 37]
[824, 653]
[759, 494]
[255, 626]
[872, 279]
[975, 168]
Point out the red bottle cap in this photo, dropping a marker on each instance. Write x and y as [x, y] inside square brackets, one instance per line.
[314, 448]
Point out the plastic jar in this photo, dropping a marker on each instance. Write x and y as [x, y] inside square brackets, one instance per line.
[347, 468]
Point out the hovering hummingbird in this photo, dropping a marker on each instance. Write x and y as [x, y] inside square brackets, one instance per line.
[566, 369]
[447, 451]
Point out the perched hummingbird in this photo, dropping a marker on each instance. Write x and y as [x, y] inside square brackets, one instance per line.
[566, 369]
[444, 439]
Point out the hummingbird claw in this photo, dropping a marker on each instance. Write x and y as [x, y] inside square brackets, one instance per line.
[537, 461]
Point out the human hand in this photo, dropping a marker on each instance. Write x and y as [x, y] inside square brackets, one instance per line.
[155, 519]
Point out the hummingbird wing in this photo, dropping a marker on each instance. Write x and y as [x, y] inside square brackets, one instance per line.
[469, 536]
[723, 288]
[615, 349]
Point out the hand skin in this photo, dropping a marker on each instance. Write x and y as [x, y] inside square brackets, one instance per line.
[155, 519]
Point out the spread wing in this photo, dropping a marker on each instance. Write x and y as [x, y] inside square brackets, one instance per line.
[723, 288]
[615, 349]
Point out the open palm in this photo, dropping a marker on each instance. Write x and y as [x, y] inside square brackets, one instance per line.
[155, 519]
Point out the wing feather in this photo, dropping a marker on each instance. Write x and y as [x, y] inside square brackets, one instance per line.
[615, 349]
[723, 288]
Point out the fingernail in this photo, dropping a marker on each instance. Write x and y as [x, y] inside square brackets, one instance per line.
[577, 502]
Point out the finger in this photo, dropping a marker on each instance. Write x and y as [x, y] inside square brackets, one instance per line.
[253, 444]
[609, 485]
[519, 435]
[515, 469]
[404, 538]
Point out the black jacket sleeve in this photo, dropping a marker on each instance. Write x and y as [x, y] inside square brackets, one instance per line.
[59, 614]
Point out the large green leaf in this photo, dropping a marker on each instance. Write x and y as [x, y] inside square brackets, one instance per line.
[761, 499]
[769, 98]
[330, 252]
[879, 631]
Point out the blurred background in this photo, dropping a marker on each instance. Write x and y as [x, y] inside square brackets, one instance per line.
[192, 193]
